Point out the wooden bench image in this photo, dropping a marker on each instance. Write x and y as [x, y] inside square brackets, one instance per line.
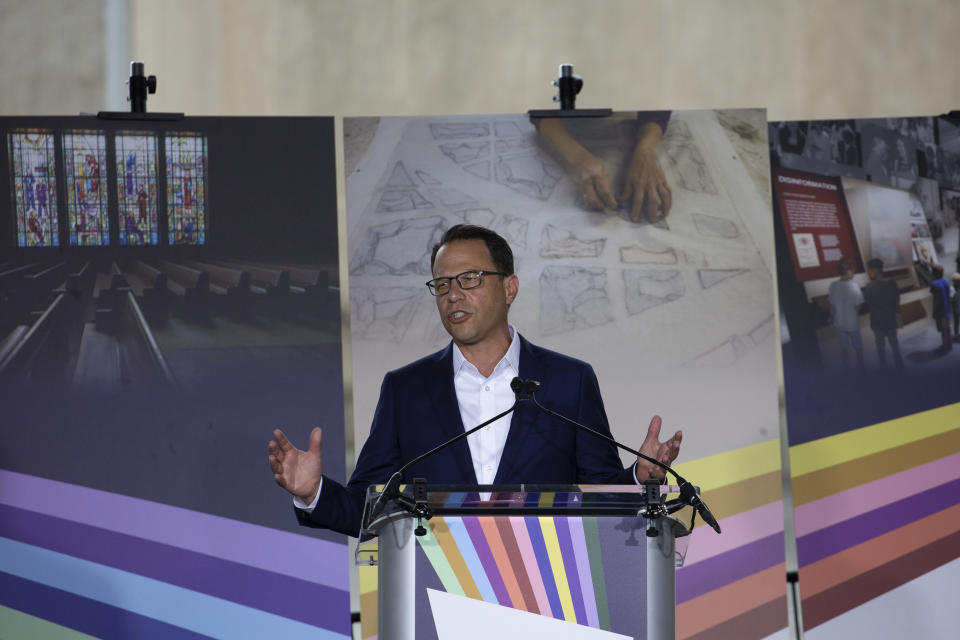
[120, 351]
[157, 279]
[233, 286]
[10, 276]
[149, 285]
[226, 280]
[274, 282]
[192, 286]
[108, 300]
[35, 289]
[311, 286]
[128, 354]
[155, 295]
[79, 283]
[139, 348]
[310, 279]
[40, 352]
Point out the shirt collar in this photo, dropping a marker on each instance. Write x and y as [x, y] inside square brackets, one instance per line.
[510, 359]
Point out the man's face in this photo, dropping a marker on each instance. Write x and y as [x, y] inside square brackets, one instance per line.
[472, 316]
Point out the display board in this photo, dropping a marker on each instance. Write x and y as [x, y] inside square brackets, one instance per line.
[169, 296]
[675, 315]
[873, 444]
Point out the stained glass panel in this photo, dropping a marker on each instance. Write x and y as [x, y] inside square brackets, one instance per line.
[186, 188]
[137, 188]
[84, 153]
[33, 174]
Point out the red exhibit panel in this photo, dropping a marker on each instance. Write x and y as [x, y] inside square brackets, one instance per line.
[817, 222]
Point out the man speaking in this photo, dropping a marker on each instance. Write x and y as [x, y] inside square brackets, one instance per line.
[430, 401]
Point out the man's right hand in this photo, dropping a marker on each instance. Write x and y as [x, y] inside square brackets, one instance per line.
[590, 174]
[297, 471]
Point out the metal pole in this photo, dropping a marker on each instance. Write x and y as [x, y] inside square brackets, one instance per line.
[396, 574]
[116, 52]
[661, 582]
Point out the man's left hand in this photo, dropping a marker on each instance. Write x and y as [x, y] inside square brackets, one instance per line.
[665, 452]
[645, 186]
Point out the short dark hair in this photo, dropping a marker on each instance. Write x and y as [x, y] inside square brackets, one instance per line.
[875, 263]
[499, 249]
[845, 265]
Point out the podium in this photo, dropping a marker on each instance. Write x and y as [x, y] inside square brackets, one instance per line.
[601, 557]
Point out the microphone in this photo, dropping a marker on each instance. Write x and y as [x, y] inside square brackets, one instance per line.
[391, 491]
[689, 495]
[688, 492]
[524, 389]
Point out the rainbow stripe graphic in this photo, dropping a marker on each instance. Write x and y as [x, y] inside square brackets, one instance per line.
[543, 565]
[731, 586]
[875, 508]
[579, 570]
[81, 563]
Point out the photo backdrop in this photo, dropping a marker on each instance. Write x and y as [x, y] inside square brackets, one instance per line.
[168, 298]
[874, 450]
[676, 317]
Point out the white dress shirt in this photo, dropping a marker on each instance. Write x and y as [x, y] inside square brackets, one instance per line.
[482, 398]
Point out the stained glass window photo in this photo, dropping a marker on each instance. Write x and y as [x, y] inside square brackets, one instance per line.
[137, 188]
[186, 188]
[34, 180]
[84, 157]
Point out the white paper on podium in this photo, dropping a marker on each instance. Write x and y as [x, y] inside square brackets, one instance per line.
[457, 618]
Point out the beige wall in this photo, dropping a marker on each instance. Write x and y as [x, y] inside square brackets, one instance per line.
[51, 56]
[816, 59]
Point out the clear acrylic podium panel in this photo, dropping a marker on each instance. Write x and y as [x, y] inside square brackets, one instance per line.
[515, 558]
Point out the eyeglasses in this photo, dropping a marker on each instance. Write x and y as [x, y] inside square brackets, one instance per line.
[466, 280]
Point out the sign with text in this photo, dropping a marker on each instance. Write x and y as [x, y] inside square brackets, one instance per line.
[816, 221]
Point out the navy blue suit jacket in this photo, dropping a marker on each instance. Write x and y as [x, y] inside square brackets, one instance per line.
[418, 410]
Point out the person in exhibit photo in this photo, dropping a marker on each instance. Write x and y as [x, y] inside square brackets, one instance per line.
[942, 293]
[437, 397]
[845, 301]
[792, 137]
[883, 298]
[877, 160]
[645, 193]
[955, 304]
[904, 164]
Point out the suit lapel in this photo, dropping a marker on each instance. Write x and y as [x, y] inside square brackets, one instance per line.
[521, 420]
[443, 397]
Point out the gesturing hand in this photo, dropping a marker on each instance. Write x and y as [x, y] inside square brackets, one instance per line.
[665, 452]
[297, 471]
